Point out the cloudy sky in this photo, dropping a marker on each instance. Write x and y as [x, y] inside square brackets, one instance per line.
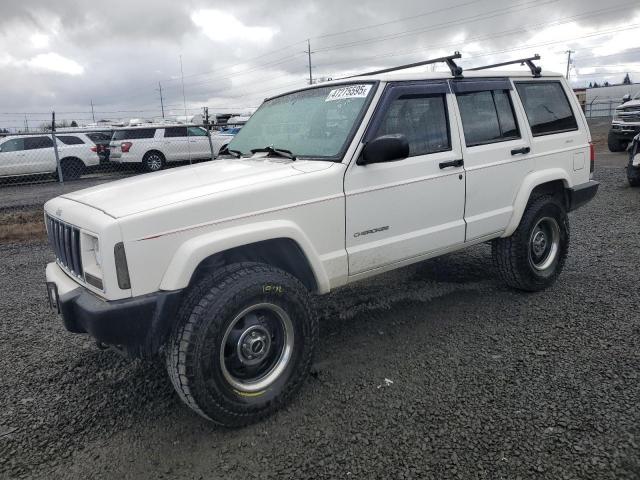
[65, 54]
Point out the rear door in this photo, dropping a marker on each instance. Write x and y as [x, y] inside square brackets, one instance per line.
[199, 146]
[39, 155]
[175, 144]
[399, 211]
[497, 153]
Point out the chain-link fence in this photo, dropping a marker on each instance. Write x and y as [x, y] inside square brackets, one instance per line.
[37, 166]
[601, 107]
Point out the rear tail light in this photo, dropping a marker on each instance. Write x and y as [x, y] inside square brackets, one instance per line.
[592, 155]
[94, 149]
[125, 146]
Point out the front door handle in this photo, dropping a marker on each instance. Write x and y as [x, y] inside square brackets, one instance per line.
[452, 163]
[523, 151]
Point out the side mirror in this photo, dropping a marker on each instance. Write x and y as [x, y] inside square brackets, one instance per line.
[626, 98]
[386, 148]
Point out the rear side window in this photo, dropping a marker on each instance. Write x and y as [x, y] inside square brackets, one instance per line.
[487, 117]
[175, 132]
[422, 119]
[134, 133]
[33, 143]
[99, 137]
[70, 140]
[547, 107]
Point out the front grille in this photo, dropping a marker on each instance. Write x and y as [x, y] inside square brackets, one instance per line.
[630, 117]
[65, 242]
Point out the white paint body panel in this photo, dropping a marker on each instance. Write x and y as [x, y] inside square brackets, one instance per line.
[169, 221]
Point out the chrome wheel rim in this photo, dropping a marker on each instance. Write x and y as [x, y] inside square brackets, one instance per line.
[256, 347]
[154, 162]
[544, 243]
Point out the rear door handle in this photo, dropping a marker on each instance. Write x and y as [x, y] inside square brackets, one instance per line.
[523, 151]
[451, 163]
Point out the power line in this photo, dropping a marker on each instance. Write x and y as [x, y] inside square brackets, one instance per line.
[438, 26]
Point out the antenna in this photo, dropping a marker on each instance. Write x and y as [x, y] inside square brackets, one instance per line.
[535, 70]
[456, 70]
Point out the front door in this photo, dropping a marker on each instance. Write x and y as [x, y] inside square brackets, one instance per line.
[406, 209]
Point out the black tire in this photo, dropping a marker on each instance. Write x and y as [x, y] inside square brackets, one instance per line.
[153, 161]
[200, 362]
[615, 145]
[72, 168]
[521, 260]
[633, 174]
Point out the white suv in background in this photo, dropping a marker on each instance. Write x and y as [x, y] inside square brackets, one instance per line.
[153, 146]
[34, 155]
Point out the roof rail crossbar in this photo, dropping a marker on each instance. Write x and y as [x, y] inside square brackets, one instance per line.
[456, 70]
[535, 70]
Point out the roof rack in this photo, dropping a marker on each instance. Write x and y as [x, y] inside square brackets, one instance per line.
[456, 70]
[535, 70]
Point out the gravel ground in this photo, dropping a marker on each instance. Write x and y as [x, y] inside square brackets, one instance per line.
[484, 382]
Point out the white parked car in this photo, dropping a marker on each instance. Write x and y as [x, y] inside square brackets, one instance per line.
[152, 147]
[34, 155]
[221, 139]
[216, 264]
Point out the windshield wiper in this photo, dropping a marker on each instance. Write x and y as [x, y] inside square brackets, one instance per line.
[270, 150]
[230, 151]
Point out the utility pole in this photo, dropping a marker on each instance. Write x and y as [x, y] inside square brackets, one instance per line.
[309, 55]
[93, 114]
[161, 101]
[26, 124]
[569, 52]
[184, 99]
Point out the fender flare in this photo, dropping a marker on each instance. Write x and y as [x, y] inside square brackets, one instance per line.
[530, 182]
[192, 252]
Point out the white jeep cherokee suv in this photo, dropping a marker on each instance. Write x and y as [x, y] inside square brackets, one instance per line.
[151, 147]
[215, 264]
[34, 155]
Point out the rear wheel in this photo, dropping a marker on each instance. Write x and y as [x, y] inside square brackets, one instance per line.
[72, 168]
[153, 161]
[532, 258]
[243, 343]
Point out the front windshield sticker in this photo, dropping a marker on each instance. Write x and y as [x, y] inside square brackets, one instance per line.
[350, 91]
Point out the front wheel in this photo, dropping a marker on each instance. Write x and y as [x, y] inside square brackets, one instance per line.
[532, 258]
[243, 343]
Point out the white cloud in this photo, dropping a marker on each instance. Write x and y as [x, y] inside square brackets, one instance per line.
[56, 63]
[51, 62]
[39, 40]
[224, 27]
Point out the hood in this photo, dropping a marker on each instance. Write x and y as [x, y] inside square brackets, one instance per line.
[153, 190]
[630, 103]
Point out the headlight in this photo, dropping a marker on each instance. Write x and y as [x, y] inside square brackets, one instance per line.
[92, 260]
[616, 116]
[95, 248]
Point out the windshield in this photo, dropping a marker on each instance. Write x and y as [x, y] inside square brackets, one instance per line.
[311, 123]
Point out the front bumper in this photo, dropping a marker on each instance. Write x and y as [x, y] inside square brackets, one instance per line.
[582, 194]
[138, 326]
[624, 132]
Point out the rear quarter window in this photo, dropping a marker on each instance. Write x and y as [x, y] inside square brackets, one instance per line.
[70, 139]
[134, 133]
[547, 107]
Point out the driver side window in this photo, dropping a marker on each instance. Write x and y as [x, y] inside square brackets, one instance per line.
[14, 145]
[422, 119]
